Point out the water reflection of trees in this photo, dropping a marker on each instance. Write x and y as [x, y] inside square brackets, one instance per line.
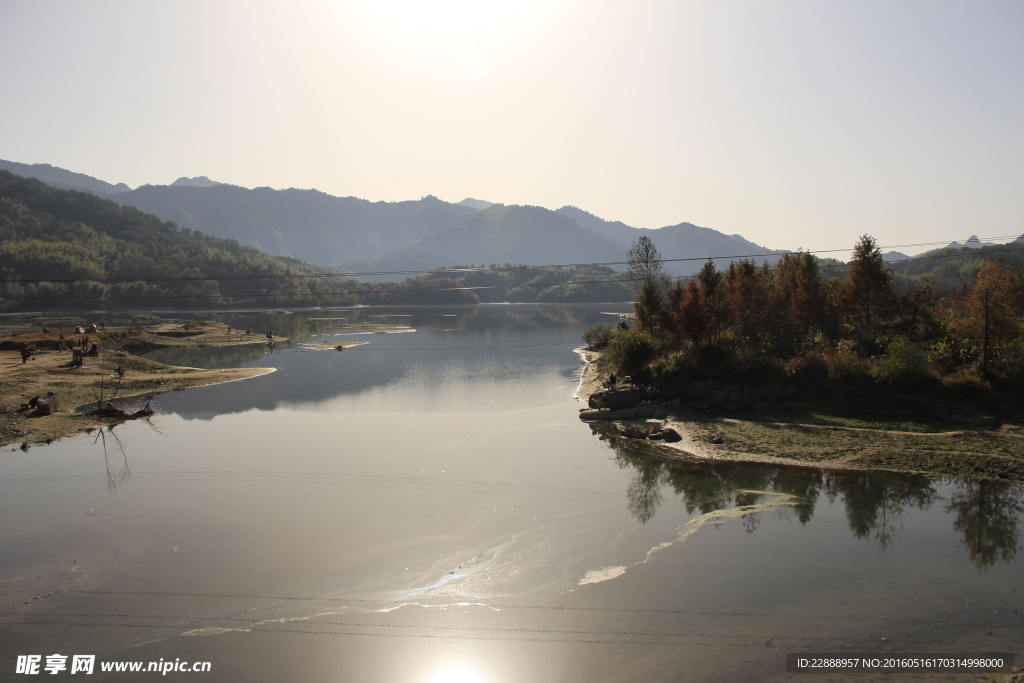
[876, 501]
[986, 514]
[987, 517]
[705, 487]
[117, 472]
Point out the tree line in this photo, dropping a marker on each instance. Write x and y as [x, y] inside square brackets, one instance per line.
[792, 319]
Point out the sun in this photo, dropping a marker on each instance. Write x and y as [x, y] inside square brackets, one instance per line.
[468, 30]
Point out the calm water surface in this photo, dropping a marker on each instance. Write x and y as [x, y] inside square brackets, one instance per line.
[428, 507]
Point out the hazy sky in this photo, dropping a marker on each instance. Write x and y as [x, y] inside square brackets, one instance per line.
[792, 122]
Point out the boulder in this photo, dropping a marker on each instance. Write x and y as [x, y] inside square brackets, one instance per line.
[650, 410]
[670, 435]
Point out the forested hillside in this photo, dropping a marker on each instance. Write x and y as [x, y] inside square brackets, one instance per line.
[61, 249]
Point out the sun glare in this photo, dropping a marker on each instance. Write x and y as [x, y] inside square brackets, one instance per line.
[473, 61]
[455, 674]
[450, 16]
[458, 28]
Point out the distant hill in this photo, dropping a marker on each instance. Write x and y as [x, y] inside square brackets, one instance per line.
[50, 237]
[682, 241]
[63, 179]
[305, 224]
[198, 181]
[971, 242]
[950, 267]
[354, 234]
[528, 235]
[476, 203]
[63, 249]
[894, 256]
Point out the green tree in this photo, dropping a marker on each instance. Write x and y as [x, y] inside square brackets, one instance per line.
[646, 264]
[867, 293]
[798, 300]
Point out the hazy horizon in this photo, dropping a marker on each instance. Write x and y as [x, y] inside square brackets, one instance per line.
[794, 124]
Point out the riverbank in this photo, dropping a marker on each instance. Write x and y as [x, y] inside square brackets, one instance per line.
[98, 381]
[811, 437]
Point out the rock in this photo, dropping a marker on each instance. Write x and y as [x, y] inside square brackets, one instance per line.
[635, 432]
[616, 399]
[602, 414]
[718, 440]
[670, 435]
[650, 410]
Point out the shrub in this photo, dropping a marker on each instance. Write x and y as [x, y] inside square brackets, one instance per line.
[966, 384]
[598, 336]
[809, 369]
[904, 362]
[631, 351]
[845, 366]
[678, 366]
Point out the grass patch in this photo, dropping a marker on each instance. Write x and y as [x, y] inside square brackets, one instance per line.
[830, 419]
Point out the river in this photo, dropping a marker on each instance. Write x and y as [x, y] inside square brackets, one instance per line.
[428, 507]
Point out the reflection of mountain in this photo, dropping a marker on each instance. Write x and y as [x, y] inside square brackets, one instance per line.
[476, 341]
[986, 514]
[208, 358]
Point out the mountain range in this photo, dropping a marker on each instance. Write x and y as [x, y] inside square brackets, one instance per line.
[387, 238]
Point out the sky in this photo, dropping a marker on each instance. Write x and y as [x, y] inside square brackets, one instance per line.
[795, 123]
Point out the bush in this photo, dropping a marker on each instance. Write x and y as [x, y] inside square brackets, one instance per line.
[845, 366]
[631, 351]
[598, 336]
[904, 362]
[966, 384]
[810, 369]
[677, 367]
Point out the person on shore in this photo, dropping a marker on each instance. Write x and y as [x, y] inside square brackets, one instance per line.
[611, 382]
[94, 351]
[25, 353]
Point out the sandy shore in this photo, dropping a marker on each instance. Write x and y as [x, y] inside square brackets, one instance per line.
[52, 371]
[993, 452]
